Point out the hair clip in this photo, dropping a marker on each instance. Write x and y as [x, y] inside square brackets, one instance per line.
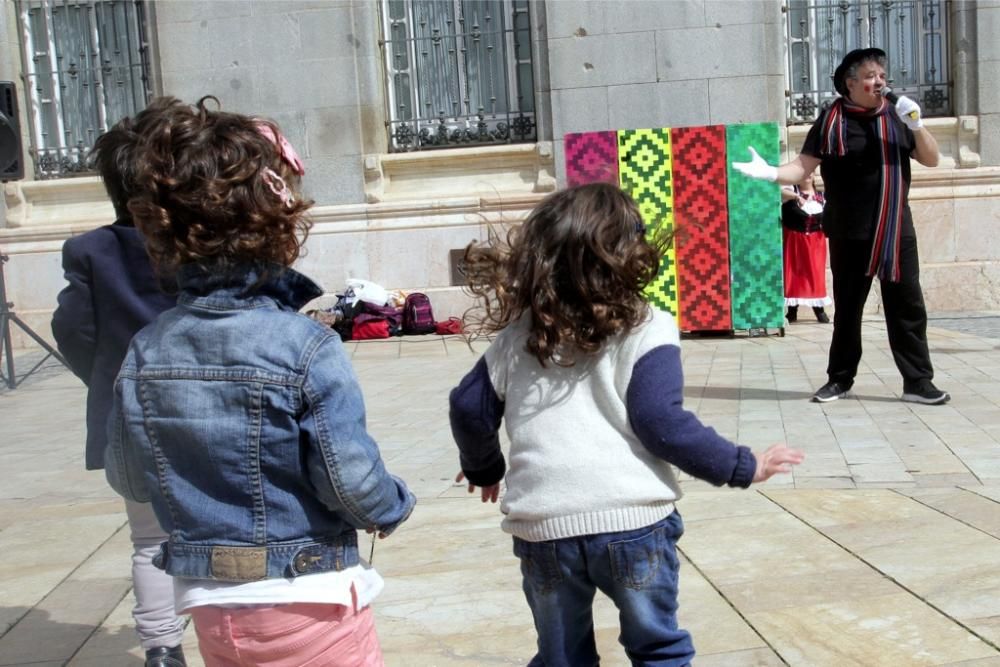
[278, 186]
[287, 151]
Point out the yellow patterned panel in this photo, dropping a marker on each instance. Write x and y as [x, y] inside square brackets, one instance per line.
[644, 169]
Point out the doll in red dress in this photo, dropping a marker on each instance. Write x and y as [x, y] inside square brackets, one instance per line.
[804, 250]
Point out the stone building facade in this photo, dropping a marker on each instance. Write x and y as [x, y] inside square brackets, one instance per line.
[319, 68]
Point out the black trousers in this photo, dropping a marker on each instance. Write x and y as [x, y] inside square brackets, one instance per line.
[903, 303]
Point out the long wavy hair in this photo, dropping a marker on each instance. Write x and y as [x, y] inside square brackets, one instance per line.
[578, 266]
[202, 192]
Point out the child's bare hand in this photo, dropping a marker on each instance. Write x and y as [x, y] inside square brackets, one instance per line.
[489, 493]
[775, 459]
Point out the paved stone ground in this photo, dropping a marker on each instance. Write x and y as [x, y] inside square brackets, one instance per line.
[883, 548]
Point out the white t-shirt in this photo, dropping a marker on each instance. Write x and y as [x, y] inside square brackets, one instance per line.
[332, 587]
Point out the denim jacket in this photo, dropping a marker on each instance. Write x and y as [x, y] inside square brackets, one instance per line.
[242, 421]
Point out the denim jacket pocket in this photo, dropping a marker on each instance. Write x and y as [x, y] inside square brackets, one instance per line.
[539, 564]
[635, 562]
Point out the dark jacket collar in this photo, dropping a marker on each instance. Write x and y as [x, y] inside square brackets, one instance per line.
[287, 286]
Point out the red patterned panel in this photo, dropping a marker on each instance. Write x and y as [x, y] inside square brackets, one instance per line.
[702, 228]
[591, 157]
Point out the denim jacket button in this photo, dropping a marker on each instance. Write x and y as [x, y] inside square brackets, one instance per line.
[306, 562]
[301, 563]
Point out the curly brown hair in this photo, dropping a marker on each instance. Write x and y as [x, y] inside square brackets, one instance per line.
[202, 195]
[578, 264]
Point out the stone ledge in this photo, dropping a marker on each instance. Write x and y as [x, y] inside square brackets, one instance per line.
[431, 175]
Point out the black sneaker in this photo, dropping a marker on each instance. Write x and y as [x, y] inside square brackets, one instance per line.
[925, 392]
[165, 656]
[831, 391]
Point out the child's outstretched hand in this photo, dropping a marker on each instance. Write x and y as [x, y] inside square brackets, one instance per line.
[775, 459]
[489, 493]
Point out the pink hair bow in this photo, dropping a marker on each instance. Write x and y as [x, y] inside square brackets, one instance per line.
[286, 149]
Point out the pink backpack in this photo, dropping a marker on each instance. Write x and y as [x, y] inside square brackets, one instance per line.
[418, 318]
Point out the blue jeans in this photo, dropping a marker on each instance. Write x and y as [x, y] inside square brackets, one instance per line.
[637, 569]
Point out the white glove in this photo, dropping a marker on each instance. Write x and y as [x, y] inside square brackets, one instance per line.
[757, 167]
[909, 112]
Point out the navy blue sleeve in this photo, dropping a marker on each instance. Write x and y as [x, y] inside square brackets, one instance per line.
[74, 325]
[655, 398]
[475, 414]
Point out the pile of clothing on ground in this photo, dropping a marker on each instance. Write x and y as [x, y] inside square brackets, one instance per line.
[367, 311]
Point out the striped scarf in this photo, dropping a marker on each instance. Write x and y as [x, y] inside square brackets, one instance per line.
[884, 258]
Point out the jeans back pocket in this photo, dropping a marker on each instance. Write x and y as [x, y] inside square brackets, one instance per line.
[635, 562]
[539, 564]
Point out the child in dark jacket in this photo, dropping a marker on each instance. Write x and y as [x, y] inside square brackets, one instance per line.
[112, 293]
[587, 378]
[240, 419]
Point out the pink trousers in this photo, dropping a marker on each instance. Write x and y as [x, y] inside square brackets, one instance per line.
[292, 635]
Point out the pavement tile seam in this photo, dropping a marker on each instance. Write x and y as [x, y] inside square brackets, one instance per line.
[714, 586]
[82, 564]
[886, 575]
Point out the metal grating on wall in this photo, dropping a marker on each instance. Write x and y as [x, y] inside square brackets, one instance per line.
[913, 33]
[86, 66]
[459, 73]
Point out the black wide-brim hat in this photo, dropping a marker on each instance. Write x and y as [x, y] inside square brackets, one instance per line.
[853, 58]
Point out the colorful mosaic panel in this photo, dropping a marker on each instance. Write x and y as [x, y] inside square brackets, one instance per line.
[644, 172]
[754, 232]
[702, 227]
[591, 157]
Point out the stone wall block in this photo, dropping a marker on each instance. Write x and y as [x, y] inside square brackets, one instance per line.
[936, 229]
[366, 29]
[651, 105]
[330, 33]
[308, 85]
[416, 258]
[989, 85]
[241, 45]
[189, 46]
[989, 139]
[727, 12]
[335, 180]
[266, 7]
[641, 15]
[967, 287]
[370, 89]
[602, 60]
[988, 28]
[280, 35]
[235, 88]
[579, 110]
[972, 218]
[332, 131]
[331, 259]
[585, 18]
[738, 100]
[703, 53]
[204, 10]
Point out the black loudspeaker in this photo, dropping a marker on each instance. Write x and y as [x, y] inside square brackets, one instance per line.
[11, 158]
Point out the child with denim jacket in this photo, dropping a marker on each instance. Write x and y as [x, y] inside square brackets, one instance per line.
[240, 419]
[587, 379]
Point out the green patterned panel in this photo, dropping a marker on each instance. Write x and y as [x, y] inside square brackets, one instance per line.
[754, 231]
[644, 172]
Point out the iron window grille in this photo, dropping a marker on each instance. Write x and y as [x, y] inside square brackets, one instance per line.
[86, 66]
[458, 73]
[913, 34]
